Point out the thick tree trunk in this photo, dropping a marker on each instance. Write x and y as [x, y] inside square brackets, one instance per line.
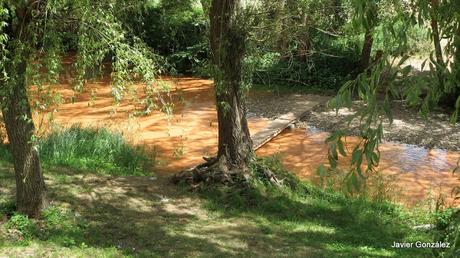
[227, 45]
[17, 115]
[367, 49]
[30, 186]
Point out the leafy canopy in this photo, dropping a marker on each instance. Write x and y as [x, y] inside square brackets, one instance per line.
[40, 32]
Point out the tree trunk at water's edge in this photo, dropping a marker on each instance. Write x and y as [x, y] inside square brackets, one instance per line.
[17, 115]
[30, 186]
[228, 46]
[435, 32]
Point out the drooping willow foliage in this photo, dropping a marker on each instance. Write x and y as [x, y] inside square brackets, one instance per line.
[92, 32]
[392, 78]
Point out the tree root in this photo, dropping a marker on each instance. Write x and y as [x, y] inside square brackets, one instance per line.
[216, 172]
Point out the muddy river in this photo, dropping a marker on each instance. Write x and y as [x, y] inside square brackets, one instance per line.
[181, 140]
[411, 174]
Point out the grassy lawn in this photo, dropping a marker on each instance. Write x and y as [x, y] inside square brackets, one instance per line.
[104, 216]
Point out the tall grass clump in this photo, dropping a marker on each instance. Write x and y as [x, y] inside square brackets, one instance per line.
[94, 149]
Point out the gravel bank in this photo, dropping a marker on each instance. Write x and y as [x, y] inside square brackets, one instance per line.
[408, 127]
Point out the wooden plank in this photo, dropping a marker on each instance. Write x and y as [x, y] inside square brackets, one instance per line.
[278, 125]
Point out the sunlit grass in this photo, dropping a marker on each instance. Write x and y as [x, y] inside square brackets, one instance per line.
[98, 216]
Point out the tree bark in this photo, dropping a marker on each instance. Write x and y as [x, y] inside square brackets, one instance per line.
[227, 47]
[454, 93]
[435, 32]
[17, 115]
[30, 186]
[367, 49]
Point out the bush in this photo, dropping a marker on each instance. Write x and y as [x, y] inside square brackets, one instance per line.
[448, 225]
[94, 149]
[22, 224]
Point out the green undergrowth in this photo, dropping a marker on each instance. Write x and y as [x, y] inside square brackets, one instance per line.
[59, 231]
[97, 216]
[93, 149]
[304, 214]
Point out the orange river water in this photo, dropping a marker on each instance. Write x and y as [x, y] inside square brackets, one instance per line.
[181, 140]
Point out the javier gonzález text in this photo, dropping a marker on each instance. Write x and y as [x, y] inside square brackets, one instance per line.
[420, 244]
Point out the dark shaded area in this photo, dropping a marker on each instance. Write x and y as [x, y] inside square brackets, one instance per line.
[319, 72]
[176, 30]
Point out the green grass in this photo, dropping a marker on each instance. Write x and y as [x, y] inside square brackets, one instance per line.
[98, 216]
[304, 215]
[91, 149]
[95, 149]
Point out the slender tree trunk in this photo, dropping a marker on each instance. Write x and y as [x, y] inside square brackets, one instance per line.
[455, 93]
[367, 49]
[456, 56]
[30, 185]
[435, 31]
[281, 43]
[228, 46]
[304, 46]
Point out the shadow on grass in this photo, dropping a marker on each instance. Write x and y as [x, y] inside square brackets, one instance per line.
[140, 217]
[340, 227]
[134, 215]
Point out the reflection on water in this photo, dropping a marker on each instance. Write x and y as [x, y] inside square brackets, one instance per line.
[418, 172]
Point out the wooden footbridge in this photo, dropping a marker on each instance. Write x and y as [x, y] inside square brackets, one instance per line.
[299, 109]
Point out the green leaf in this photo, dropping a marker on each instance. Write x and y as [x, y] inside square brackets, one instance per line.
[356, 157]
[387, 109]
[341, 148]
[355, 182]
[406, 70]
[403, 59]
[375, 158]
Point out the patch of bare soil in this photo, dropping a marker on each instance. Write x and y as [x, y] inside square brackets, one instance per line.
[408, 126]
